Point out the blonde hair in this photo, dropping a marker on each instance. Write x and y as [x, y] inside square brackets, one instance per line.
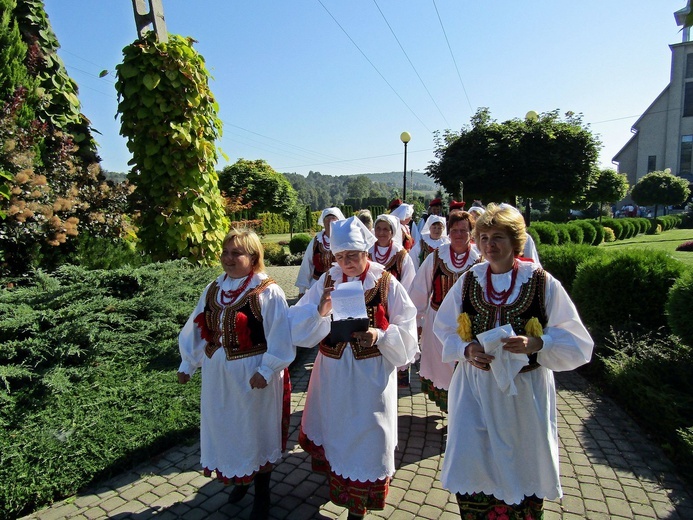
[248, 240]
[506, 218]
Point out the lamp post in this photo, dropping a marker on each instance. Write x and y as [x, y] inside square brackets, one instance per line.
[405, 137]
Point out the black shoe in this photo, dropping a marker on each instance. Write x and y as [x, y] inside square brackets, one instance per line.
[237, 493]
[403, 378]
[261, 503]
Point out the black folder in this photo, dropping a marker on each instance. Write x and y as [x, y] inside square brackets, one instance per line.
[341, 329]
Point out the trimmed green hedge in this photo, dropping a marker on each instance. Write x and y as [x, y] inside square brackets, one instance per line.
[679, 307]
[563, 261]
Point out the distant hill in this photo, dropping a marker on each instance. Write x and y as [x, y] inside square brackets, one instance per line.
[421, 181]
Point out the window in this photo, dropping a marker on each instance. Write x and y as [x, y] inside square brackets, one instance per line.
[686, 155]
[689, 65]
[651, 163]
[688, 100]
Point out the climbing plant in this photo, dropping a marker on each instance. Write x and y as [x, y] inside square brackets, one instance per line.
[169, 116]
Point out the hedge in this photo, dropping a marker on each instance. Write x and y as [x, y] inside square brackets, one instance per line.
[679, 308]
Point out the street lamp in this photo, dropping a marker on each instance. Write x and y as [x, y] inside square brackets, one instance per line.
[405, 137]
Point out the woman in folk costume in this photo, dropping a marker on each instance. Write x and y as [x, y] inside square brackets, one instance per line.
[388, 252]
[404, 212]
[501, 457]
[433, 236]
[239, 335]
[318, 257]
[433, 280]
[349, 423]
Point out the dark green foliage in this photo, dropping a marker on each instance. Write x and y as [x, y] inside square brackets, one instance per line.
[588, 230]
[299, 243]
[679, 307]
[616, 224]
[88, 376]
[563, 261]
[563, 234]
[547, 232]
[650, 376]
[533, 233]
[626, 290]
[577, 235]
[599, 229]
[13, 72]
[274, 253]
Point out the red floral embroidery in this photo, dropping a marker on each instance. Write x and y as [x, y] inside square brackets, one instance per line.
[201, 323]
[380, 318]
[243, 331]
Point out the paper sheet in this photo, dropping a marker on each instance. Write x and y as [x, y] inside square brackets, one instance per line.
[506, 365]
[348, 301]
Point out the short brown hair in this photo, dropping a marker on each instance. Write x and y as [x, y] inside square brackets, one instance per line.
[248, 240]
[456, 215]
[506, 218]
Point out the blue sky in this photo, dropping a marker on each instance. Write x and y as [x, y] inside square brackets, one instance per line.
[329, 85]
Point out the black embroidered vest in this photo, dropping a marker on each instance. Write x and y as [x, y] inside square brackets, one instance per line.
[375, 297]
[241, 328]
[443, 279]
[322, 259]
[529, 304]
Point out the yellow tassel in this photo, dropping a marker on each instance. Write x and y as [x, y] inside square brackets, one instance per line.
[534, 328]
[464, 327]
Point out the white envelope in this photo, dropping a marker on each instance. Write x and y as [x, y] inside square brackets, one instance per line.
[506, 365]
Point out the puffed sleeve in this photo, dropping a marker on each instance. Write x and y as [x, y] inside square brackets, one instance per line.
[275, 322]
[305, 273]
[399, 342]
[445, 325]
[308, 328]
[567, 344]
[191, 345]
[420, 290]
[531, 250]
[408, 272]
[414, 253]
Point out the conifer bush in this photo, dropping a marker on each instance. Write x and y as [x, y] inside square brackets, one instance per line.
[679, 307]
[547, 232]
[589, 231]
[625, 290]
[577, 235]
[609, 235]
[563, 234]
[535, 236]
[299, 243]
[563, 261]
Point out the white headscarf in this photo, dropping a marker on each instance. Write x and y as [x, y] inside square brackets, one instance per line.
[433, 219]
[403, 212]
[330, 211]
[477, 211]
[350, 235]
[394, 225]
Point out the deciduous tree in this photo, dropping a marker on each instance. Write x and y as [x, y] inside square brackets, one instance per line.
[608, 186]
[660, 187]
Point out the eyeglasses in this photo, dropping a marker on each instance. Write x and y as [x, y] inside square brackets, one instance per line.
[347, 258]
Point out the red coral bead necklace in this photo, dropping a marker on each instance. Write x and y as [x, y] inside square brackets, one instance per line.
[233, 294]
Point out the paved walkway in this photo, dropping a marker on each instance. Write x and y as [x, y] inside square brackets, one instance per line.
[609, 469]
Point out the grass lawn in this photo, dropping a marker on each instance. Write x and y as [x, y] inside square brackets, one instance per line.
[279, 237]
[667, 241]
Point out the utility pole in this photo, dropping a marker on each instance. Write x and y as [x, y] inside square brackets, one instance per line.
[150, 12]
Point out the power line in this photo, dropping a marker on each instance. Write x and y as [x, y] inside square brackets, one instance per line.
[372, 65]
[410, 63]
[453, 57]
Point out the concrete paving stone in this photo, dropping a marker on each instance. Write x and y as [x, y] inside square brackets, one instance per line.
[305, 489]
[663, 509]
[57, 513]
[95, 512]
[573, 504]
[402, 515]
[135, 491]
[169, 500]
[163, 489]
[635, 495]
[585, 470]
[608, 483]
[428, 512]
[112, 503]
[214, 502]
[411, 507]
[449, 516]
[618, 506]
[437, 498]
[591, 491]
[196, 514]
[296, 477]
[421, 483]
[302, 512]
[182, 479]
[595, 506]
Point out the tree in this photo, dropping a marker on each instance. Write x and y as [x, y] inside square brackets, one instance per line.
[608, 186]
[544, 157]
[268, 190]
[169, 116]
[359, 187]
[660, 187]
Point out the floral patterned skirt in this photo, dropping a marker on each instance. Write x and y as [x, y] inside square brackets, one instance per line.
[479, 506]
[355, 495]
[437, 395]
